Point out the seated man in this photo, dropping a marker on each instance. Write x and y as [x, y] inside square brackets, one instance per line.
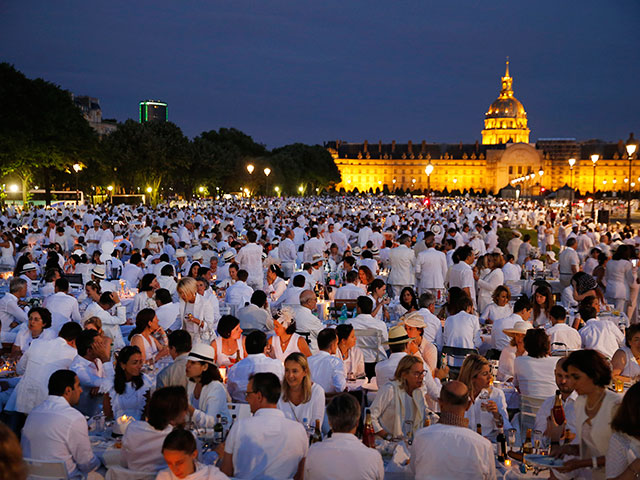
[398, 346]
[167, 311]
[166, 280]
[256, 316]
[326, 369]
[110, 323]
[63, 307]
[561, 333]
[306, 321]
[601, 335]
[343, 455]
[175, 375]
[56, 431]
[93, 367]
[239, 293]
[568, 396]
[256, 361]
[433, 329]
[350, 291]
[364, 320]
[449, 449]
[266, 445]
[11, 315]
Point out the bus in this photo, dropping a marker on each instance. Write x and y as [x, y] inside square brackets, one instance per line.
[38, 197]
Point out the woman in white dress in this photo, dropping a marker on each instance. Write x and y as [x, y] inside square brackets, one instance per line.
[534, 374]
[8, 250]
[144, 298]
[618, 277]
[623, 454]
[351, 356]
[420, 346]
[499, 307]
[38, 328]
[489, 407]
[129, 391]
[301, 399]
[276, 286]
[207, 395]
[229, 344]
[626, 361]
[180, 453]
[143, 336]
[542, 303]
[286, 341]
[490, 280]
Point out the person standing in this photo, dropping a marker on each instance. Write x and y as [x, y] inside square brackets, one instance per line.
[249, 258]
[402, 265]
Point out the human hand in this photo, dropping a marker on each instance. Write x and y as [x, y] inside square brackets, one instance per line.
[442, 373]
[94, 391]
[574, 464]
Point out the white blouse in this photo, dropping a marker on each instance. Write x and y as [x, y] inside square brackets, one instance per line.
[131, 402]
[312, 410]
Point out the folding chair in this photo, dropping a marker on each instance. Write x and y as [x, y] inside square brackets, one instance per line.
[240, 410]
[46, 469]
[455, 356]
[529, 407]
[369, 339]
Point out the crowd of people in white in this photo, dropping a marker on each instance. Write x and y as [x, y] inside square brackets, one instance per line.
[185, 309]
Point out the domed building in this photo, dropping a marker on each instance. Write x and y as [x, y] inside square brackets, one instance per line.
[506, 119]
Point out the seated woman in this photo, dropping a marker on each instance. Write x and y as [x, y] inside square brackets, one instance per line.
[142, 442]
[144, 298]
[420, 346]
[207, 394]
[196, 313]
[129, 391]
[623, 460]
[542, 303]
[286, 341]
[143, 336]
[365, 277]
[408, 302]
[91, 294]
[625, 362]
[400, 399]
[38, 327]
[94, 323]
[377, 291]
[276, 285]
[514, 350]
[351, 356]
[500, 307]
[489, 280]
[489, 408]
[300, 398]
[229, 344]
[180, 453]
[534, 373]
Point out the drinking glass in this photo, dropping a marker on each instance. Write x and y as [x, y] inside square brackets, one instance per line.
[537, 440]
[511, 438]
[545, 446]
[483, 397]
[407, 431]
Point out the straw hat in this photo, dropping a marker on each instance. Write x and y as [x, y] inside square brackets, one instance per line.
[356, 251]
[228, 256]
[155, 238]
[317, 257]
[180, 253]
[99, 272]
[414, 319]
[520, 327]
[28, 267]
[397, 335]
[201, 352]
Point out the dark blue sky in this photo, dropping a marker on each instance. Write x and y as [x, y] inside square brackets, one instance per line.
[352, 70]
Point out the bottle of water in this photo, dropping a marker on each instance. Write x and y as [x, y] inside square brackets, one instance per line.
[343, 313]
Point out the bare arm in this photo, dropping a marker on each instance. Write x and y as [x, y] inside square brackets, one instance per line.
[227, 464]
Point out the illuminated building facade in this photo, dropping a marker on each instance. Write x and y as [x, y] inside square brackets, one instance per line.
[505, 156]
[153, 110]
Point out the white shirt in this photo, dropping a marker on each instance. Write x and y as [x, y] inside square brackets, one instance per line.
[142, 447]
[402, 263]
[308, 322]
[444, 452]
[462, 330]
[64, 306]
[91, 374]
[535, 376]
[56, 431]
[354, 362]
[238, 376]
[343, 456]
[545, 411]
[433, 329]
[563, 333]
[568, 258]
[266, 445]
[312, 410]
[364, 321]
[132, 274]
[168, 314]
[327, 371]
[249, 258]
[499, 339]
[623, 450]
[349, 292]
[511, 272]
[110, 323]
[461, 275]
[476, 415]
[431, 267]
[494, 312]
[601, 335]
[386, 369]
[239, 293]
[10, 312]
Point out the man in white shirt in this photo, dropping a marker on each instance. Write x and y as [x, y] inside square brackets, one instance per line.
[288, 254]
[326, 369]
[568, 396]
[568, 262]
[93, 368]
[398, 342]
[601, 335]
[256, 316]
[306, 321]
[514, 244]
[431, 266]
[433, 328]
[462, 329]
[63, 307]
[132, 272]
[363, 320]
[350, 291]
[522, 310]
[461, 274]
[291, 295]
[313, 246]
[240, 292]
[449, 449]
[256, 361]
[30, 275]
[560, 333]
[343, 455]
[249, 258]
[166, 280]
[511, 270]
[56, 431]
[11, 315]
[402, 265]
[265, 445]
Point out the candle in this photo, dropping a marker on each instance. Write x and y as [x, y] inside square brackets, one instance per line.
[507, 462]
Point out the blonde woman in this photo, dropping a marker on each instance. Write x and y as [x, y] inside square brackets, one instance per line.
[489, 408]
[196, 313]
[286, 341]
[388, 411]
[301, 398]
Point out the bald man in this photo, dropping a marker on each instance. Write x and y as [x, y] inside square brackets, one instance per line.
[449, 449]
[306, 321]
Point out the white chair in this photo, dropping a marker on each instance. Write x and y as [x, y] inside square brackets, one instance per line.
[225, 309]
[121, 473]
[529, 407]
[240, 410]
[369, 339]
[46, 469]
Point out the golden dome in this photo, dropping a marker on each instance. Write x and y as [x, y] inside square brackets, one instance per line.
[506, 107]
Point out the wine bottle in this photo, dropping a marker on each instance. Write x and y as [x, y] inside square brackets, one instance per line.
[317, 434]
[527, 446]
[558, 410]
[368, 435]
[479, 428]
[218, 430]
[501, 440]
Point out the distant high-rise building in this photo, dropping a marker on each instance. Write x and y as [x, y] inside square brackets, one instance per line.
[153, 110]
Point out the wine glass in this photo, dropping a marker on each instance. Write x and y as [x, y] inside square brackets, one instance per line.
[407, 431]
[511, 438]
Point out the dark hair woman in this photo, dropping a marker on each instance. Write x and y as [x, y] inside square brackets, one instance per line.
[229, 345]
[129, 391]
[144, 336]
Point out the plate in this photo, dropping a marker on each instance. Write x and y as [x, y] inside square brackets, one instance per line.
[545, 461]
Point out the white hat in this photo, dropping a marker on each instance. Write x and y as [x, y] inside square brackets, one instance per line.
[521, 326]
[201, 352]
[413, 319]
[228, 255]
[155, 238]
[99, 271]
[317, 257]
[356, 251]
[551, 255]
[180, 253]
[78, 252]
[28, 267]
[198, 256]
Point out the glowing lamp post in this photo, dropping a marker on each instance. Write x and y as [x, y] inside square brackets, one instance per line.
[631, 149]
[572, 162]
[594, 158]
[76, 168]
[267, 172]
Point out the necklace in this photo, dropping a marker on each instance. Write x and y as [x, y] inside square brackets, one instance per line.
[592, 408]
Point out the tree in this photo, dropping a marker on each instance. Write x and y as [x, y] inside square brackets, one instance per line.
[41, 129]
[147, 155]
[299, 164]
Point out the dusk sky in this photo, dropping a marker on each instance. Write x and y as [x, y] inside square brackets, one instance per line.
[310, 72]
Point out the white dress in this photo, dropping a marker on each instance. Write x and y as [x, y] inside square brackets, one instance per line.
[150, 347]
[7, 258]
[292, 347]
[223, 360]
[131, 402]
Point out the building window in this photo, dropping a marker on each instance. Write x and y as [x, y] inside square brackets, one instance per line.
[510, 169]
[520, 170]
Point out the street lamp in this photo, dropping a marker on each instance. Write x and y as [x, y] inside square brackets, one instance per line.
[631, 149]
[572, 162]
[429, 170]
[594, 159]
[77, 167]
[250, 169]
[301, 189]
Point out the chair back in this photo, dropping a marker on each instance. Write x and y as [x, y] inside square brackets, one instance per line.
[350, 303]
[559, 349]
[369, 339]
[529, 407]
[225, 309]
[454, 356]
[240, 410]
[117, 472]
[46, 469]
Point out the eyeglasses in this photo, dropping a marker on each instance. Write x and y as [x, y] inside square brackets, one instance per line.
[419, 374]
[247, 393]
